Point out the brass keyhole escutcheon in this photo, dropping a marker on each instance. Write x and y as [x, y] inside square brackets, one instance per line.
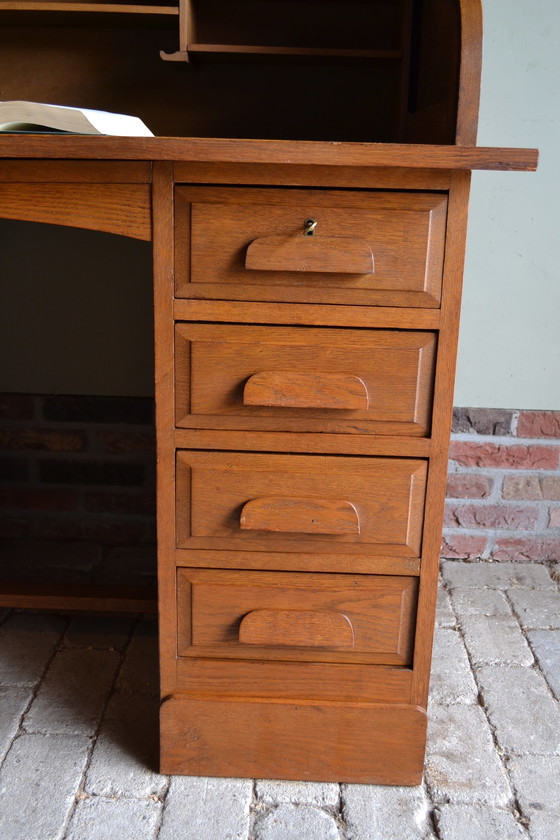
[309, 227]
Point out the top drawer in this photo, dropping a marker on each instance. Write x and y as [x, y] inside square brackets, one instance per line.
[382, 248]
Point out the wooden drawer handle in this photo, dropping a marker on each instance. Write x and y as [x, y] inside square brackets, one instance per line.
[287, 389]
[325, 254]
[297, 628]
[302, 516]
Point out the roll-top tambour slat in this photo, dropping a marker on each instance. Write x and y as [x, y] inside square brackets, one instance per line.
[303, 516]
[290, 389]
[330, 254]
[296, 628]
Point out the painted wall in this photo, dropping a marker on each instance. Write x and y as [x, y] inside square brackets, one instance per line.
[509, 351]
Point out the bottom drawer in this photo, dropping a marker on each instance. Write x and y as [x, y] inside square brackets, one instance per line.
[296, 616]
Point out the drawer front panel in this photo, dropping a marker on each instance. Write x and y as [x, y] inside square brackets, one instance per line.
[295, 379]
[274, 615]
[383, 248]
[232, 500]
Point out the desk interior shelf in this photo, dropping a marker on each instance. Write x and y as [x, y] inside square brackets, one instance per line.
[132, 7]
[378, 30]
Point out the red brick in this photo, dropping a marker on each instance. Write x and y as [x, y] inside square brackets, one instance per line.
[16, 406]
[43, 439]
[463, 546]
[37, 499]
[504, 456]
[116, 442]
[14, 469]
[89, 409]
[461, 486]
[65, 554]
[554, 521]
[482, 421]
[45, 561]
[522, 487]
[126, 564]
[526, 549]
[12, 527]
[539, 424]
[88, 472]
[551, 487]
[107, 532]
[496, 517]
[134, 505]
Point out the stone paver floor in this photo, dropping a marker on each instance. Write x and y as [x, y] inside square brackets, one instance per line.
[78, 733]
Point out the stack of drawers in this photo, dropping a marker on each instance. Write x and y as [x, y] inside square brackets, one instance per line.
[300, 500]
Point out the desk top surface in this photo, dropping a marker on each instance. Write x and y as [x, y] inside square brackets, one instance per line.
[221, 150]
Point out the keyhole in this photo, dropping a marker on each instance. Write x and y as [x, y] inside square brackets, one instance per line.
[309, 227]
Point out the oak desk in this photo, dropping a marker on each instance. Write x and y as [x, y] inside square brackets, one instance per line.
[303, 405]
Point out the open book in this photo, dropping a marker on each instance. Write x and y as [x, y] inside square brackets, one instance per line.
[19, 116]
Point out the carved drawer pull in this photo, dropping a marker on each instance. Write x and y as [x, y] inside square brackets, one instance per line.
[310, 252]
[297, 628]
[303, 516]
[287, 389]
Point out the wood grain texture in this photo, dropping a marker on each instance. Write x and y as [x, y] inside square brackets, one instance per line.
[443, 411]
[89, 598]
[87, 6]
[359, 743]
[76, 172]
[113, 208]
[295, 561]
[388, 494]
[164, 376]
[293, 389]
[306, 152]
[302, 175]
[293, 680]
[296, 628]
[321, 444]
[313, 380]
[469, 73]
[246, 312]
[325, 254]
[291, 515]
[218, 228]
[212, 604]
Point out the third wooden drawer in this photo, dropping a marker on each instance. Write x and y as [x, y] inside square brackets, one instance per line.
[300, 503]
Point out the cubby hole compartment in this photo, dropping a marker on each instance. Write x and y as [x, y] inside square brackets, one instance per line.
[376, 28]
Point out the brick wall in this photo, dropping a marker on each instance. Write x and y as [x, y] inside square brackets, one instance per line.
[77, 489]
[504, 486]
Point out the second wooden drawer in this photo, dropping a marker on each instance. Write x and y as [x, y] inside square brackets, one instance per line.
[304, 379]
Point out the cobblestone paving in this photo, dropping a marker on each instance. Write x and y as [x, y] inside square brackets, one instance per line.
[78, 733]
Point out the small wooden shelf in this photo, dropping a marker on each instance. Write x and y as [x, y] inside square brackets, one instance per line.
[327, 52]
[86, 6]
[297, 28]
[83, 597]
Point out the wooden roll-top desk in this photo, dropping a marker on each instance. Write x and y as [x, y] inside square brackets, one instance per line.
[306, 198]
